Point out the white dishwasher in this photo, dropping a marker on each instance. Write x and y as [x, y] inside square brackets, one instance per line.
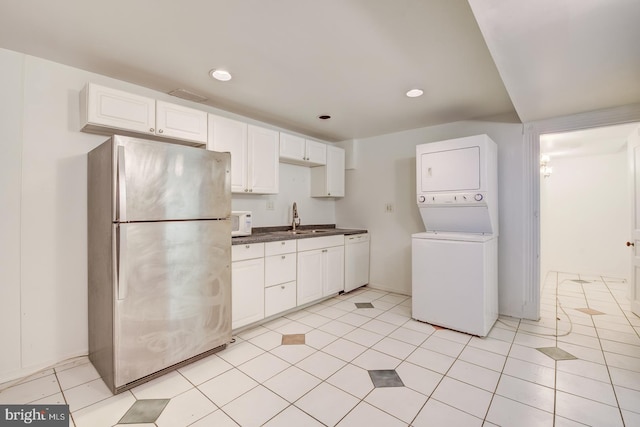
[356, 261]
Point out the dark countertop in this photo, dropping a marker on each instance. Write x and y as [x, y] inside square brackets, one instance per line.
[275, 234]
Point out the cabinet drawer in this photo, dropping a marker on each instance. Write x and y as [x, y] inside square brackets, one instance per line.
[279, 298]
[279, 269]
[277, 248]
[240, 252]
[320, 242]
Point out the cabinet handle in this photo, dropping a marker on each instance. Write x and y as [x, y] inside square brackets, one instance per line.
[283, 257]
[247, 246]
[282, 243]
[324, 250]
[329, 194]
[246, 190]
[152, 130]
[251, 190]
[282, 287]
[160, 130]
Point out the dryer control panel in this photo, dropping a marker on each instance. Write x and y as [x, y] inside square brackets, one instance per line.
[458, 199]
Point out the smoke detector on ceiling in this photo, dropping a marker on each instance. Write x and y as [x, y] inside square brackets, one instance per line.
[189, 96]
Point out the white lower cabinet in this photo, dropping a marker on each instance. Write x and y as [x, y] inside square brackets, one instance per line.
[271, 278]
[334, 271]
[279, 298]
[247, 284]
[310, 278]
[320, 268]
[279, 277]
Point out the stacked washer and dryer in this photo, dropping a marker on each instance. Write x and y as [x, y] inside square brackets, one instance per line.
[455, 262]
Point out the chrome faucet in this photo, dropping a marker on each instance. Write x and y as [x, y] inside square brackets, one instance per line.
[295, 216]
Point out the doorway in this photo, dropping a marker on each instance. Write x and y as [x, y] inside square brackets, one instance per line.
[531, 188]
[585, 202]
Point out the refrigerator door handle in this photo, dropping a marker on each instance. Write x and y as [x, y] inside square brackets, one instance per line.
[121, 255]
[122, 186]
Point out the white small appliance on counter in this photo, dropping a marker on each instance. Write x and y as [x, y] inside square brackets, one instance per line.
[455, 262]
[241, 223]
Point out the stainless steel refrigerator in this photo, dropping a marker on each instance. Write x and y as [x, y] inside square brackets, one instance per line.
[159, 242]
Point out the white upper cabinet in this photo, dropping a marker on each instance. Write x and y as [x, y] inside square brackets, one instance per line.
[300, 151]
[263, 166]
[328, 180]
[176, 121]
[102, 107]
[108, 111]
[254, 154]
[316, 153]
[229, 135]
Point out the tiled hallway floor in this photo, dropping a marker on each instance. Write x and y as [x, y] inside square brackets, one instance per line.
[447, 378]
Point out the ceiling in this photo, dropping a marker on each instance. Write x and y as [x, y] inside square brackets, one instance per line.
[293, 60]
[588, 142]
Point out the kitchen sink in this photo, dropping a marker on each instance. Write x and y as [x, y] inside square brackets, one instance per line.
[314, 231]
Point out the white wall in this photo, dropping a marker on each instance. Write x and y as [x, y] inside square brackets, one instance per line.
[294, 187]
[585, 216]
[43, 296]
[385, 173]
[43, 261]
[11, 106]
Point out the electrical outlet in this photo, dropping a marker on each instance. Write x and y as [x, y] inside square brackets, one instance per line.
[270, 206]
[389, 208]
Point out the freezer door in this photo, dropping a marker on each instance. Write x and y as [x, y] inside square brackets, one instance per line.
[157, 181]
[172, 294]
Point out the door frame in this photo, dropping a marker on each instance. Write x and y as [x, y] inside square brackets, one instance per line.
[531, 187]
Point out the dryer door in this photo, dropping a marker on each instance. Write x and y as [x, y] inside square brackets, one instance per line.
[450, 170]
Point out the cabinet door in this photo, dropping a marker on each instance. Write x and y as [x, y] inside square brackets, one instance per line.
[316, 153]
[335, 172]
[310, 273]
[279, 269]
[328, 181]
[263, 166]
[176, 121]
[231, 135]
[292, 148]
[117, 109]
[279, 298]
[247, 292]
[333, 270]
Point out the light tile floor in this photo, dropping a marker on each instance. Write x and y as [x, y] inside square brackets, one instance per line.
[450, 378]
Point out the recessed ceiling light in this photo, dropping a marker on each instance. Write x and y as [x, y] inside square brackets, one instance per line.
[221, 75]
[414, 93]
[324, 117]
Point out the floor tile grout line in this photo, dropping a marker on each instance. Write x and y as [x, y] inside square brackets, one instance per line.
[618, 303]
[604, 356]
[466, 345]
[555, 364]
[493, 395]
[605, 364]
[325, 380]
[291, 403]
